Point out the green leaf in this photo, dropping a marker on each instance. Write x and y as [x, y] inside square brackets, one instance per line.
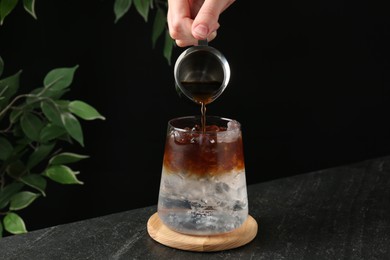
[8, 192]
[35, 181]
[158, 26]
[16, 169]
[31, 126]
[142, 6]
[62, 174]
[59, 78]
[62, 104]
[84, 110]
[6, 7]
[168, 46]
[52, 112]
[51, 132]
[8, 88]
[1, 66]
[65, 158]
[21, 144]
[5, 149]
[38, 93]
[29, 6]
[14, 224]
[121, 7]
[22, 199]
[73, 127]
[15, 115]
[40, 153]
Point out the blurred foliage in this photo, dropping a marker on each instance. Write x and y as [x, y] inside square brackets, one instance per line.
[32, 128]
[159, 29]
[121, 7]
[33, 125]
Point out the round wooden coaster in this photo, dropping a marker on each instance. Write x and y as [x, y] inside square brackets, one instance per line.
[238, 237]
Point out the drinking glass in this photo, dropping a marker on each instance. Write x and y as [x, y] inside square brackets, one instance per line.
[203, 187]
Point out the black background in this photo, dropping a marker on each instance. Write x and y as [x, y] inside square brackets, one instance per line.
[309, 84]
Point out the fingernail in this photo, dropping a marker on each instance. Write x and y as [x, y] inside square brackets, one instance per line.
[201, 31]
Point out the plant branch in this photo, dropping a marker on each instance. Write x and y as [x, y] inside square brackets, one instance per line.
[2, 112]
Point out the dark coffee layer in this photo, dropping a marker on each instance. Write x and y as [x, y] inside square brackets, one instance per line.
[202, 92]
[202, 154]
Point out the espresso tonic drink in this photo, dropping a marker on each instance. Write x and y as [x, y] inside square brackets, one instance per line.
[203, 186]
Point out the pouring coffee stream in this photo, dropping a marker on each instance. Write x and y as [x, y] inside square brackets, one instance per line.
[202, 74]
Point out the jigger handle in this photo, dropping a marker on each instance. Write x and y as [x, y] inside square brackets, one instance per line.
[202, 42]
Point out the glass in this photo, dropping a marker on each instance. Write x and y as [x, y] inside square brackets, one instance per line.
[203, 187]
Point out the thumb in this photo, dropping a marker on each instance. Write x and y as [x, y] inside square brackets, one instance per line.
[206, 21]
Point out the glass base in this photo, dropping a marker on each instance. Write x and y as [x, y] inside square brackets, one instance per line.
[211, 243]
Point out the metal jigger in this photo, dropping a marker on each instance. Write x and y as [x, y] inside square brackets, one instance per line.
[202, 64]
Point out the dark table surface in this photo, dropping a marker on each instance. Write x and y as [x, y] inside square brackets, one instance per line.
[336, 213]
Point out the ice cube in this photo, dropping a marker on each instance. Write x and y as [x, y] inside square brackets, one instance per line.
[231, 134]
[233, 125]
[221, 187]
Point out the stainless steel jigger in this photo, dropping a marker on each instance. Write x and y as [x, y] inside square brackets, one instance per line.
[202, 64]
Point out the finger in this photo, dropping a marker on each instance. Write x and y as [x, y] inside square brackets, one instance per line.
[191, 41]
[212, 36]
[178, 9]
[182, 32]
[187, 42]
[178, 18]
[206, 20]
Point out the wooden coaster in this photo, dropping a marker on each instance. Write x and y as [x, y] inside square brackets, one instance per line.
[238, 237]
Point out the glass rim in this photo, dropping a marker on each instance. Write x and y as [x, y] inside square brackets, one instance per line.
[196, 119]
